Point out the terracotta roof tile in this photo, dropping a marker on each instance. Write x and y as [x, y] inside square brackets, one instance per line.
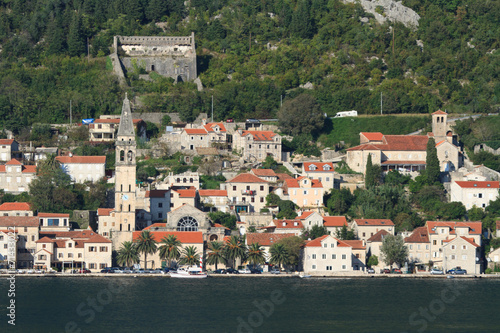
[186, 193]
[81, 159]
[288, 224]
[419, 235]
[156, 193]
[355, 244]
[378, 236]
[29, 169]
[13, 162]
[246, 178]
[283, 176]
[7, 206]
[218, 225]
[53, 215]
[266, 239]
[196, 131]
[260, 135]
[439, 112]
[334, 221]
[264, 172]
[185, 237]
[210, 127]
[475, 227]
[294, 183]
[104, 211]
[156, 225]
[45, 240]
[478, 184]
[212, 193]
[19, 221]
[304, 215]
[6, 141]
[381, 222]
[320, 166]
[317, 242]
[397, 143]
[373, 136]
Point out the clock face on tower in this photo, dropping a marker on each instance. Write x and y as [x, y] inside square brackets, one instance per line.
[125, 197]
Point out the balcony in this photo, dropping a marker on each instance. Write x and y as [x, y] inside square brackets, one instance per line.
[248, 192]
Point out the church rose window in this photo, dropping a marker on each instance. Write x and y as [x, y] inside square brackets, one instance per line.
[187, 223]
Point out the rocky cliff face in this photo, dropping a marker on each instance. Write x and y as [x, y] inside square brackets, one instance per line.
[389, 10]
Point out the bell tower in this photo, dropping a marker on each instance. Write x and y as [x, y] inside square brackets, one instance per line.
[125, 175]
[439, 126]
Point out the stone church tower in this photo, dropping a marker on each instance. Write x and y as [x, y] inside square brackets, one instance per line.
[439, 126]
[125, 175]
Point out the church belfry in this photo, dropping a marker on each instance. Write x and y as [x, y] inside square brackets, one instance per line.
[439, 125]
[125, 174]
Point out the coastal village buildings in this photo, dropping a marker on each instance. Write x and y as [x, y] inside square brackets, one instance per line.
[374, 244]
[15, 209]
[266, 240]
[9, 149]
[324, 172]
[216, 199]
[83, 168]
[16, 177]
[326, 255]
[305, 192]
[105, 128]
[474, 193]
[26, 228]
[366, 228]
[246, 192]
[208, 135]
[257, 145]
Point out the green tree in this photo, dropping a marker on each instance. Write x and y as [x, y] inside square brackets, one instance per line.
[127, 254]
[226, 219]
[369, 173]
[395, 178]
[432, 169]
[190, 256]
[372, 261]
[279, 255]
[166, 120]
[315, 232]
[394, 250]
[235, 248]
[293, 246]
[77, 42]
[216, 253]
[170, 249]
[476, 213]
[286, 209]
[345, 233]
[256, 254]
[339, 201]
[272, 199]
[301, 115]
[269, 163]
[146, 245]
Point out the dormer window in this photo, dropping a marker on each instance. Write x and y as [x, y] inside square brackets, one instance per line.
[326, 167]
[312, 167]
[296, 224]
[475, 185]
[284, 224]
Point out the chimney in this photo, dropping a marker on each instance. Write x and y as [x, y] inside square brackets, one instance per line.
[204, 121]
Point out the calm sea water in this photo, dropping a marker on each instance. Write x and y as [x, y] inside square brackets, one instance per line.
[238, 304]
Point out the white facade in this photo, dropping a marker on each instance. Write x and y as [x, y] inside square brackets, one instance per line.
[83, 168]
[474, 193]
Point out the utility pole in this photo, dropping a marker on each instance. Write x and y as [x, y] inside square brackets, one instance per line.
[281, 102]
[212, 108]
[380, 103]
[393, 28]
[70, 114]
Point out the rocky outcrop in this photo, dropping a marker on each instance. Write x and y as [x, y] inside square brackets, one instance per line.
[389, 10]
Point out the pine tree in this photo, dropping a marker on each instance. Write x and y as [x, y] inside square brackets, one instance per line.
[55, 37]
[432, 169]
[302, 24]
[77, 44]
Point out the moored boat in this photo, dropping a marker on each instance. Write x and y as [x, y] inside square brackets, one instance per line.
[189, 273]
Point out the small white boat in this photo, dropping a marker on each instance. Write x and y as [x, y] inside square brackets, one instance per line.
[189, 273]
[304, 276]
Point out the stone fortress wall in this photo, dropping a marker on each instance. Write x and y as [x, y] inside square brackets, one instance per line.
[173, 57]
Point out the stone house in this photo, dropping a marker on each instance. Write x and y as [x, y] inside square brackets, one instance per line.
[26, 228]
[158, 203]
[9, 149]
[266, 174]
[366, 228]
[474, 193]
[305, 192]
[334, 223]
[293, 226]
[83, 168]
[374, 244]
[246, 192]
[16, 209]
[418, 244]
[8, 247]
[16, 177]
[257, 145]
[106, 221]
[462, 252]
[322, 171]
[266, 240]
[358, 254]
[180, 197]
[106, 127]
[215, 198]
[327, 255]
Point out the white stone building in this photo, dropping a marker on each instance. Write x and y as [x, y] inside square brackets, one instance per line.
[83, 168]
[474, 193]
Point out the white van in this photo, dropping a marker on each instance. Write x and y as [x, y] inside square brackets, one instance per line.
[352, 113]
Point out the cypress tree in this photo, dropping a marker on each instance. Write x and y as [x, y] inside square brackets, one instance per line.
[77, 43]
[55, 37]
[369, 174]
[432, 169]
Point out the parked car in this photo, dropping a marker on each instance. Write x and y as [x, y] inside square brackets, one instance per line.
[117, 269]
[457, 271]
[232, 271]
[386, 271]
[370, 271]
[127, 270]
[139, 271]
[396, 271]
[83, 271]
[220, 271]
[255, 271]
[244, 271]
[230, 120]
[107, 270]
[274, 270]
[165, 270]
[436, 271]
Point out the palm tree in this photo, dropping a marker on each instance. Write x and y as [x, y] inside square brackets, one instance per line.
[235, 248]
[216, 254]
[256, 254]
[146, 244]
[279, 254]
[170, 248]
[127, 254]
[190, 256]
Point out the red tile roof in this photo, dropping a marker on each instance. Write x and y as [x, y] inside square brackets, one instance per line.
[210, 127]
[478, 184]
[334, 221]
[6, 141]
[6, 206]
[373, 136]
[365, 222]
[246, 178]
[156, 193]
[266, 239]
[185, 237]
[304, 215]
[355, 244]
[104, 211]
[468, 240]
[378, 236]
[186, 193]
[288, 224]
[439, 112]
[294, 183]
[81, 159]
[212, 193]
[475, 227]
[260, 135]
[317, 242]
[283, 176]
[419, 235]
[75, 234]
[13, 162]
[96, 238]
[264, 172]
[397, 143]
[196, 131]
[45, 240]
[218, 225]
[156, 225]
[53, 215]
[19, 221]
[319, 166]
[29, 169]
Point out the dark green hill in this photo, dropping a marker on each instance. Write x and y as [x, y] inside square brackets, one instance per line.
[250, 53]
